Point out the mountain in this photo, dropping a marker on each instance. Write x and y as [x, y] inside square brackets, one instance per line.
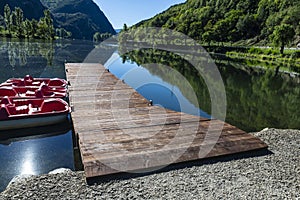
[32, 9]
[250, 21]
[81, 17]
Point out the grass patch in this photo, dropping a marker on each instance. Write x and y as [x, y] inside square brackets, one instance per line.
[290, 61]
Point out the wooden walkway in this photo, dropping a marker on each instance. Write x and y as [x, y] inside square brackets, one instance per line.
[118, 131]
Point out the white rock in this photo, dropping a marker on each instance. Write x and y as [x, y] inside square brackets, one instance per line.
[60, 171]
[19, 179]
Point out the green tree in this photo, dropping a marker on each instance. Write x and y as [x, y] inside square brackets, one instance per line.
[41, 29]
[16, 26]
[12, 22]
[209, 34]
[19, 21]
[34, 26]
[105, 36]
[247, 26]
[208, 37]
[7, 13]
[97, 37]
[28, 31]
[125, 28]
[49, 24]
[225, 28]
[45, 26]
[282, 35]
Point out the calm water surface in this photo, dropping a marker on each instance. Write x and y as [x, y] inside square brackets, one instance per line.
[255, 98]
[45, 148]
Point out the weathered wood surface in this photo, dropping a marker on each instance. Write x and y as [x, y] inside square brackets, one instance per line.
[119, 132]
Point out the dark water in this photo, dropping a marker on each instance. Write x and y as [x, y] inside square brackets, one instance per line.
[255, 98]
[46, 148]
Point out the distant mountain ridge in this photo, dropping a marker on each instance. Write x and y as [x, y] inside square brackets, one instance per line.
[81, 17]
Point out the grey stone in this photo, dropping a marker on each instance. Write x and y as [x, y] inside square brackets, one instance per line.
[274, 176]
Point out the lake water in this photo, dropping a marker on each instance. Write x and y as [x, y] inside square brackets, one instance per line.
[46, 148]
[255, 98]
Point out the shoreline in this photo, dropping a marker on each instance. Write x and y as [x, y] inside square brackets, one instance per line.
[288, 65]
[275, 175]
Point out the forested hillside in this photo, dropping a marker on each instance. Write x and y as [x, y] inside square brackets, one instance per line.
[81, 17]
[232, 20]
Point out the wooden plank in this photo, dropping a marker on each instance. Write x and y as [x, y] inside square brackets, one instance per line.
[161, 138]
[119, 132]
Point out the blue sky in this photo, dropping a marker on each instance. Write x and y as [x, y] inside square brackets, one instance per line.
[130, 12]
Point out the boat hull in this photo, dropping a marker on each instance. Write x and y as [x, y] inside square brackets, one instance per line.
[32, 122]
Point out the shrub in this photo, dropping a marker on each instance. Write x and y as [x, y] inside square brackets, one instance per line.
[253, 50]
[295, 55]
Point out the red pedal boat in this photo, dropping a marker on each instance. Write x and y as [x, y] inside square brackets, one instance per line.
[30, 81]
[29, 87]
[43, 91]
[18, 113]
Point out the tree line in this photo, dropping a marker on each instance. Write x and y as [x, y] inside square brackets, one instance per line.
[233, 21]
[15, 26]
[99, 37]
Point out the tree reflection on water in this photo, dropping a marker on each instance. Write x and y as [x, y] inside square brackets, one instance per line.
[256, 98]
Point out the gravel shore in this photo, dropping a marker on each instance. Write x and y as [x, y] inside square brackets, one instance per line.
[273, 176]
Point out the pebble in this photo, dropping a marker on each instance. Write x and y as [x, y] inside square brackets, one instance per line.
[273, 176]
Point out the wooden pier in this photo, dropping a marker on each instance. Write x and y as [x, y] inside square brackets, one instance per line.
[118, 131]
